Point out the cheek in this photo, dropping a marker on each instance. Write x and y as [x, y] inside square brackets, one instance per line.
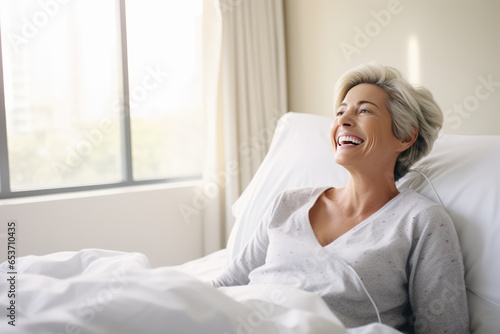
[375, 140]
[371, 144]
[381, 141]
[333, 131]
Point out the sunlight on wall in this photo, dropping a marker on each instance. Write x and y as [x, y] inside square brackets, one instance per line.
[413, 60]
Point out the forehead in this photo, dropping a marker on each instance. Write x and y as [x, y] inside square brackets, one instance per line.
[368, 92]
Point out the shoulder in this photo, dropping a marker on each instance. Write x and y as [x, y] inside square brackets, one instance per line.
[421, 216]
[301, 195]
[294, 198]
[421, 208]
[411, 196]
[431, 227]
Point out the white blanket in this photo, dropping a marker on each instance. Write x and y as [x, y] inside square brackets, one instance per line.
[98, 291]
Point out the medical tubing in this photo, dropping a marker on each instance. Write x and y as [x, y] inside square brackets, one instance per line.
[366, 291]
[492, 303]
[430, 183]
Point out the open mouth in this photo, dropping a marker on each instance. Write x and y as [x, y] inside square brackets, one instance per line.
[349, 141]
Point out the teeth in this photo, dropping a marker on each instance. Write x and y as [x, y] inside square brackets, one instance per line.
[351, 139]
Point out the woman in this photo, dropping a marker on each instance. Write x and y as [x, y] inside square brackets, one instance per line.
[373, 253]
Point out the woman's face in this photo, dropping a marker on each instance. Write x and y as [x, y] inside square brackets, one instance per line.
[362, 129]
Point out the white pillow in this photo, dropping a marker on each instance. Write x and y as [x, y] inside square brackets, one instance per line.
[463, 169]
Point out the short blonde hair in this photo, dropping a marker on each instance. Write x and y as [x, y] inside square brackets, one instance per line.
[409, 107]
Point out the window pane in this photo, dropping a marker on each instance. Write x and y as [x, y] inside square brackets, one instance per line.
[62, 77]
[168, 131]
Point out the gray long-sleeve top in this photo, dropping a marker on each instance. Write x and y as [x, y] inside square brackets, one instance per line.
[406, 255]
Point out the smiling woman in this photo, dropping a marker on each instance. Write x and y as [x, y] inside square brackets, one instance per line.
[363, 122]
[371, 252]
[411, 108]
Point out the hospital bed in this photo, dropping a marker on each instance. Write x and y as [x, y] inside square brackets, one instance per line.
[103, 291]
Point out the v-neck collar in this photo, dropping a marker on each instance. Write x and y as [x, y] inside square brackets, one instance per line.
[314, 199]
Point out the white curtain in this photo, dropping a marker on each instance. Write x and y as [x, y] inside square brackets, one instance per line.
[245, 87]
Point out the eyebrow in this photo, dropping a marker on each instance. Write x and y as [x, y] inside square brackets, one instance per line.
[359, 103]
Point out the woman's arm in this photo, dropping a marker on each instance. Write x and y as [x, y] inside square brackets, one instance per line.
[253, 254]
[436, 276]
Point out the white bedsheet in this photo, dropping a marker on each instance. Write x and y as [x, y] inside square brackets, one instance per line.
[99, 291]
[205, 268]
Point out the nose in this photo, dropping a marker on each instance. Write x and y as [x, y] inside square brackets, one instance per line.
[345, 119]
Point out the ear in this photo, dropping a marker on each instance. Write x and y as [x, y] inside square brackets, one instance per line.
[406, 144]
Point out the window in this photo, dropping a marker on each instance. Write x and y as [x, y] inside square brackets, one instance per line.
[99, 93]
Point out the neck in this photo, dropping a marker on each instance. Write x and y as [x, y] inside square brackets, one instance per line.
[364, 194]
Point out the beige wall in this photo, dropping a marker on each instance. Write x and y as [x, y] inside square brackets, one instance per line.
[451, 47]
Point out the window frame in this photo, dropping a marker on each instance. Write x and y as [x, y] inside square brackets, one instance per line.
[125, 134]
